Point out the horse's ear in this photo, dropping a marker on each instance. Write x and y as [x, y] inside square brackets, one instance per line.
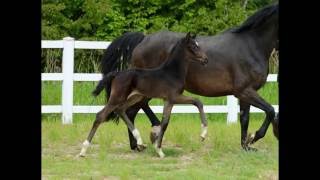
[194, 36]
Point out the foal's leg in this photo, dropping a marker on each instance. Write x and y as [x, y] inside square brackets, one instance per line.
[252, 97]
[122, 111]
[181, 99]
[244, 122]
[131, 113]
[100, 117]
[135, 132]
[155, 123]
[164, 124]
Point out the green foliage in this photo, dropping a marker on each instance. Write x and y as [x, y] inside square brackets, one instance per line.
[105, 20]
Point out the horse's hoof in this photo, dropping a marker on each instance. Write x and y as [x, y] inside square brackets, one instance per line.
[155, 131]
[250, 139]
[141, 147]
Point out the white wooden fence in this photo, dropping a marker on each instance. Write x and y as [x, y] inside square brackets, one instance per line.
[67, 77]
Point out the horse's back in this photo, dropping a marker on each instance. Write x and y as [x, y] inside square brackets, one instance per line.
[154, 48]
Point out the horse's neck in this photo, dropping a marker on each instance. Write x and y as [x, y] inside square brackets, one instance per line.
[176, 64]
[266, 38]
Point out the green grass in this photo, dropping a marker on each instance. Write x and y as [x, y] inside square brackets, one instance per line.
[218, 157]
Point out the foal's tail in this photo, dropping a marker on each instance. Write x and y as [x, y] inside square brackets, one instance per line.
[116, 58]
[117, 55]
[105, 83]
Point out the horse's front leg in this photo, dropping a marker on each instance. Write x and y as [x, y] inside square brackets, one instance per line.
[275, 125]
[250, 96]
[244, 123]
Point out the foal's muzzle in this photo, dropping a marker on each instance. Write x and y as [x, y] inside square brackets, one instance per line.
[205, 61]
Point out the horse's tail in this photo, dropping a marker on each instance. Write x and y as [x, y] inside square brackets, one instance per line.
[118, 54]
[105, 83]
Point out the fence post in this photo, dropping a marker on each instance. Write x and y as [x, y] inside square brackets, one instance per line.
[232, 105]
[67, 83]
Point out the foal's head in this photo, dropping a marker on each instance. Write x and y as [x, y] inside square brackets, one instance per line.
[193, 51]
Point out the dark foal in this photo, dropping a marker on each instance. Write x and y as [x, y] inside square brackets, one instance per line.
[167, 82]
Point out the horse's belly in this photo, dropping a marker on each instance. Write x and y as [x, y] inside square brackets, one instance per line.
[209, 84]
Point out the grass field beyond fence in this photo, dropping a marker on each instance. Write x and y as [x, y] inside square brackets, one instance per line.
[219, 157]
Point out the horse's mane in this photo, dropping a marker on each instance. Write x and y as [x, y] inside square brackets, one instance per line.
[256, 19]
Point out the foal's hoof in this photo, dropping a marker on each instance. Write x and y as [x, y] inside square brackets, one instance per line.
[202, 138]
[161, 155]
[81, 155]
[141, 147]
[250, 139]
[155, 131]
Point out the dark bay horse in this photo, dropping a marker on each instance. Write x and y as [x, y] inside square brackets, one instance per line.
[238, 65]
[167, 82]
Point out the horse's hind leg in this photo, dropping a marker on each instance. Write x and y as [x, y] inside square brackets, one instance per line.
[252, 97]
[181, 99]
[100, 117]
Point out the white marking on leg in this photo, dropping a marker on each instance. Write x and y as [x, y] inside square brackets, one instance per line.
[158, 150]
[136, 134]
[253, 135]
[85, 146]
[204, 131]
[156, 129]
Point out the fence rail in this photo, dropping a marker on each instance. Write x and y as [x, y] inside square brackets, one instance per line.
[68, 76]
